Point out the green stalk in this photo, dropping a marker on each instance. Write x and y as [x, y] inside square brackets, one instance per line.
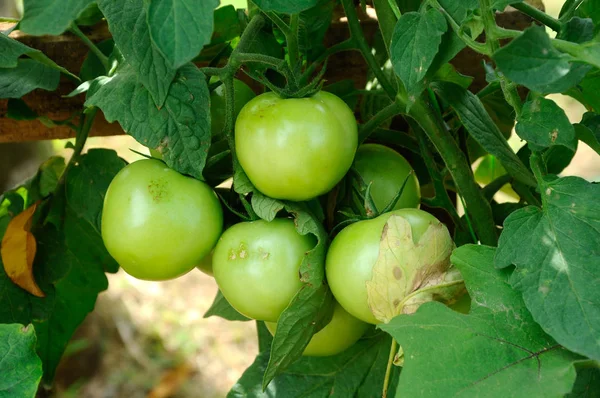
[292, 42]
[509, 89]
[95, 50]
[538, 15]
[365, 49]
[386, 113]
[388, 369]
[460, 170]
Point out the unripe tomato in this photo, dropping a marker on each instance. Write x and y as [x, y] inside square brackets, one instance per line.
[353, 253]
[256, 265]
[337, 336]
[296, 148]
[157, 223]
[387, 170]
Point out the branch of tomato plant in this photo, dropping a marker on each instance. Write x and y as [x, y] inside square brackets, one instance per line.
[361, 42]
[477, 206]
[509, 89]
[384, 114]
[441, 198]
[538, 15]
[388, 369]
[93, 48]
[346, 45]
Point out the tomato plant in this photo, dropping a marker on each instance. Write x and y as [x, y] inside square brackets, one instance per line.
[256, 266]
[355, 100]
[296, 148]
[157, 223]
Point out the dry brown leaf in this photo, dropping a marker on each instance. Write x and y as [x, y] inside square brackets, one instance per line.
[171, 381]
[18, 251]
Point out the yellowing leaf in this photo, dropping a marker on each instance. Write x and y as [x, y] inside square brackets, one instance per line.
[404, 267]
[18, 251]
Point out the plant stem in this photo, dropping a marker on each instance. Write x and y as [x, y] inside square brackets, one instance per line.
[280, 23]
[292, 42]
[365, 49]
[388, 370]
[388, 112]
[81, 136]
[538, 15]
[95, 50]
[336, 48]
[509, 89]
[460, 170]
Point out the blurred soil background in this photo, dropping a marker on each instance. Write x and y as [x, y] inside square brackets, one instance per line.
[149, 339]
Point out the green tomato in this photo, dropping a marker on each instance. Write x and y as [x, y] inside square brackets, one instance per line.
[296, 148]
[256, 265]
[342, 332]
[354, 251]
[205, 265]
[242, 94]
[386, 169]
[157, 223]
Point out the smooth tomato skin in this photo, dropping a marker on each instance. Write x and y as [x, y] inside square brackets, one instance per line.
[158, 224]
[354, 251]
[387, 170]
[296, 148]
[342, 332]
[242, 94]
[256, 265]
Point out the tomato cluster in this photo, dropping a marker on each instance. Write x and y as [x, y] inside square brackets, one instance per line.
[159, 224]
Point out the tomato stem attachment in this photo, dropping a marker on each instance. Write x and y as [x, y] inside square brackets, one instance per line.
[388, 369]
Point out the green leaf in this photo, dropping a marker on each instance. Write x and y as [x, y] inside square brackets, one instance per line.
[357, 372]
[180, 28]
[532, 61]
[49, 17]
[589, 88]
[265, 207]
[557, 272]
[27, 76]
[221, 308]
[486, 353]
[481, 127]
[19, 110]
[314, 23]
[577, 30]
[590, 9]
[588, 130]
[49, 174]
[459, 10]
[285, 6]
[127, 23]
[11, 50]
[180, 129]
[69, 265]
[21, 367]
[587, 384]
[88, 182]
[544, 124]
[415, 43]
[92, 67]
[500, 5]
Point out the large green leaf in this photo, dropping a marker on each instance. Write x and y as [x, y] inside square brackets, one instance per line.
[221, 308]
[555, 250]
[285, 6]
[543, 123]
[357, 372]
[532, 61]
[27, 76]
[21, 367]
[497, 350]
[482, 128]
[415, 43]
[70, 262]
[180, 28]
[588, 130]
[180, 129]
[130, 30]
[50, 17]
